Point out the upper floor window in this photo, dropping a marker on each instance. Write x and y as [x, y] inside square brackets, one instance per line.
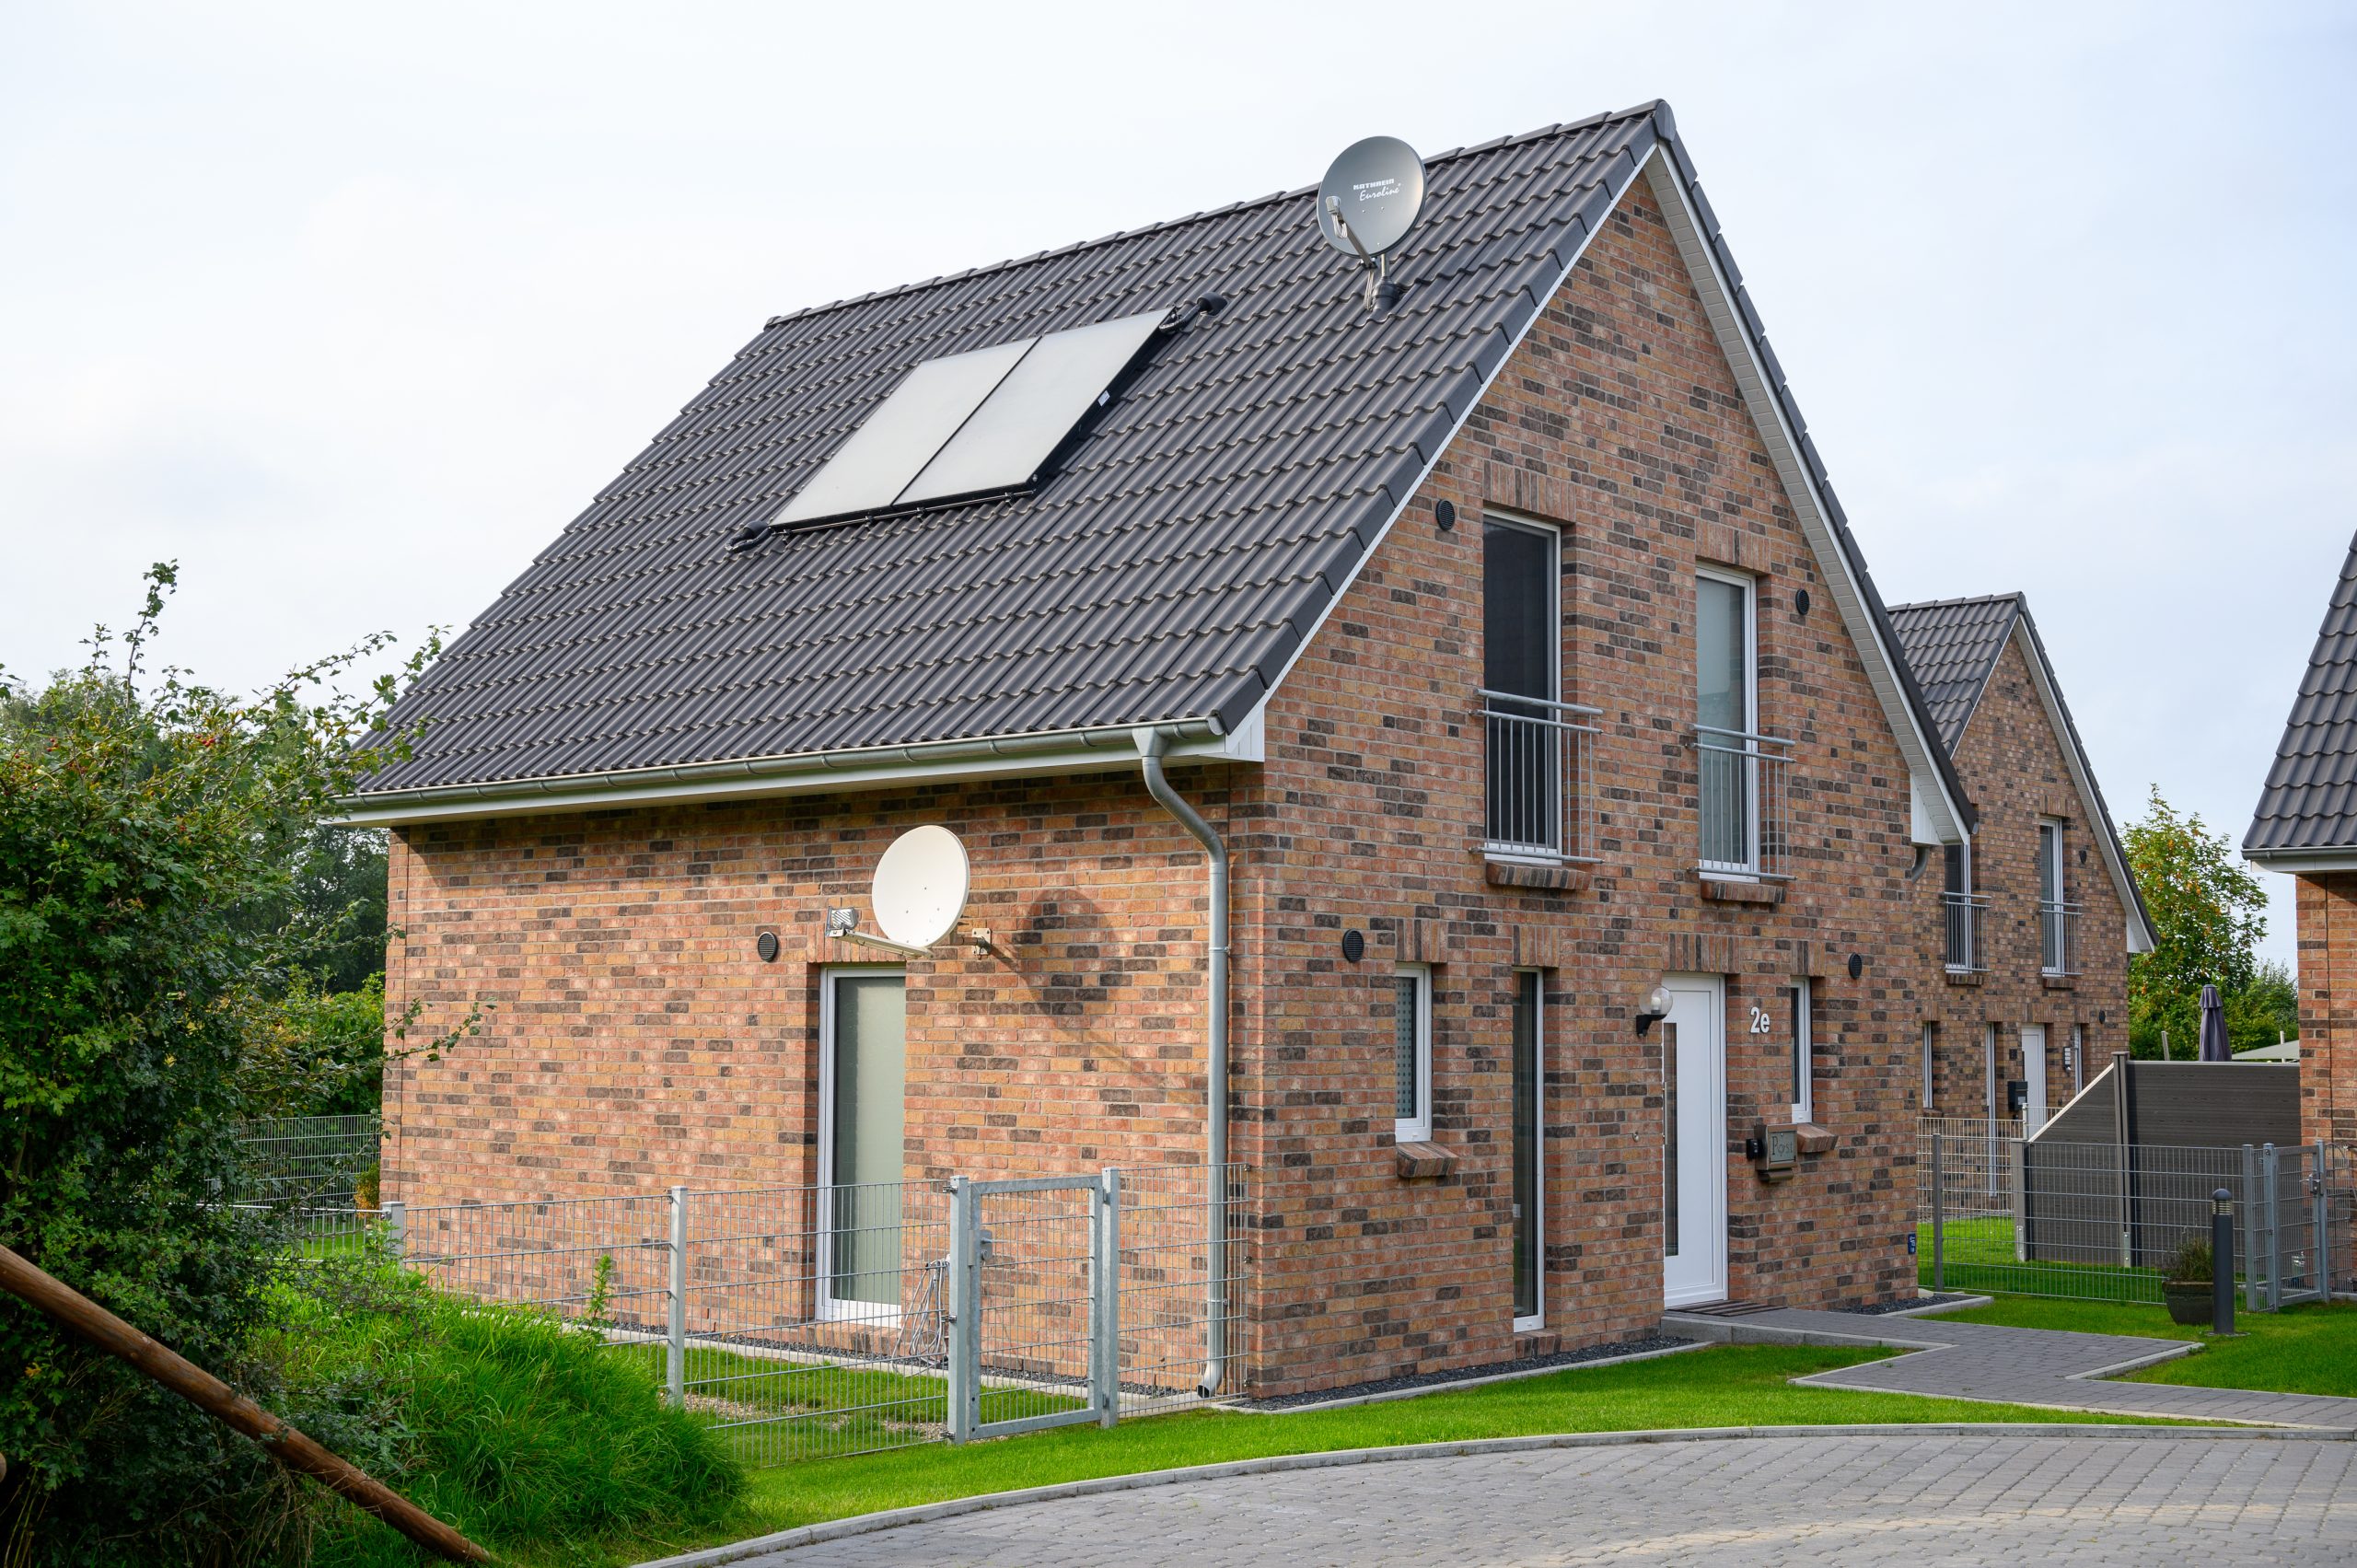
[1536, 741]
[1960, 909]
[2057, 916]
[1739, 770]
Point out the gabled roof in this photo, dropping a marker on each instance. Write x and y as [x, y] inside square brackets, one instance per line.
[1167, 571]
[2306, 819]
[1953, 644]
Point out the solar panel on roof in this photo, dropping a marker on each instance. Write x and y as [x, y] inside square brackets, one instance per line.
[972, 424]
[1022, 423]
[897, 440]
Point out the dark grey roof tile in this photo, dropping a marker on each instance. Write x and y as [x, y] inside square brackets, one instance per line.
[2309, 801]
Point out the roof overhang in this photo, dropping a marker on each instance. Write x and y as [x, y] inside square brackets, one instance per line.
[2303, 862]
[1105, 749]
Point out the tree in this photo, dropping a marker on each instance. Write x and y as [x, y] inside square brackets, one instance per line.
[2266, 1010]
[2207, 917]
[146, 828]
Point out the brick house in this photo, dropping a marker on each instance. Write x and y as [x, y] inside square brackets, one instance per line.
[2306, 826]
[2032, 920]
[1493, 665]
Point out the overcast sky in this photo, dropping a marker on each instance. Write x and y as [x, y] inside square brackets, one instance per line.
[349, 310]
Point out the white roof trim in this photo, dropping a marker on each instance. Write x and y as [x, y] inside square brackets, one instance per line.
[1941, 812]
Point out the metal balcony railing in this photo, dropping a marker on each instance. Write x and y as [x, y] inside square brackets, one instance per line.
[2058, 938]
[1538, 786]
[1962, 912]
[1746, 828]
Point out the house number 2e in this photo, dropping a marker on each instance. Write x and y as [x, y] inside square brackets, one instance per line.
[1761, 1023]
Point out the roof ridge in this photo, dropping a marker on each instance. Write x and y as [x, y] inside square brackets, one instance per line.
[1952, 603]
[1636, 112]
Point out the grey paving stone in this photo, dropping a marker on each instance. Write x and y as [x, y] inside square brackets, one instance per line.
[2005, 1498]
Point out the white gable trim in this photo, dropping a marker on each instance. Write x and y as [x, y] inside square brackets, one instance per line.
[2050, 697]
[1935, 810]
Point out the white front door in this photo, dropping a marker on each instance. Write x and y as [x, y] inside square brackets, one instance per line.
[1694, 1162]
[2034, 1070]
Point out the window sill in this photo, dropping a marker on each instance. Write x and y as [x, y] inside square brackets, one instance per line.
[1418, 1161]
[1964, 977]
[2059, 982]
[1527, 874]
[1737, 890]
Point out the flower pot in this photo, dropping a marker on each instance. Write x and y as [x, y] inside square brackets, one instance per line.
[2189, 1301]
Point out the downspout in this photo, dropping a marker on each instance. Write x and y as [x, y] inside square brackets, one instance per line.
[1150, 747]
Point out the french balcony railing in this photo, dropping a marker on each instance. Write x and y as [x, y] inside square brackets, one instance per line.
[1539, 785]
[1746, 828]
[2058, 937]
[1962, 912]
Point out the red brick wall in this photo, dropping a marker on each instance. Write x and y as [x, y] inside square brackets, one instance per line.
[2016, 770]
[638, 1042]
[2328, 927]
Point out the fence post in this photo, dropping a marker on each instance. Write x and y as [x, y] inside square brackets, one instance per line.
[964, 1393]
[675, 1348]
[1939, 1227]
[2272, 1174]
[1105, 1303]
[2018, 1173]
[2250, 1227]
[397, 1227]
[2323, 1206]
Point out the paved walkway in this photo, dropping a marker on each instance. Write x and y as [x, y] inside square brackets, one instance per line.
[2027, 1366]
[2093, 1501]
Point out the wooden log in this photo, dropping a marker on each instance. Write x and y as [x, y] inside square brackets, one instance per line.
[79, 1315]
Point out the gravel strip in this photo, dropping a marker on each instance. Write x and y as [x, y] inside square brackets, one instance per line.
[1907, 1303]
[1460, 1374]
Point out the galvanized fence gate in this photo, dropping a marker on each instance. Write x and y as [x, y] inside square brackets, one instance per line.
[2098, 1221]
[843, 1319]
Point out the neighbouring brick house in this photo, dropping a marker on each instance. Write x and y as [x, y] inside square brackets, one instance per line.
[2306, 826]
[1506, 636]
[2032, 920]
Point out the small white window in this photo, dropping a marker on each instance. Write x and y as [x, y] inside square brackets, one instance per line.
[1411, 1054]
[2078, 1057]
[1931, 1046]
[1803, 1100]
[1991, 1047]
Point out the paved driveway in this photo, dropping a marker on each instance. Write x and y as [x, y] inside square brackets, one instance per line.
[1916, 1501]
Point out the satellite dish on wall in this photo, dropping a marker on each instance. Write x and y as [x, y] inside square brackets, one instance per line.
[920, 887]
[1370, 197]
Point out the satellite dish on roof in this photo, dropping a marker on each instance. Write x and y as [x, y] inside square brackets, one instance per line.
[1370, 197]
[920, 887]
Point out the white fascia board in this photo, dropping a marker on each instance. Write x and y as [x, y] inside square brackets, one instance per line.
[1922, 822]
[1636, 168]
[1943, 816]
[1062, 755]
[2298, 862]
[2140, 936]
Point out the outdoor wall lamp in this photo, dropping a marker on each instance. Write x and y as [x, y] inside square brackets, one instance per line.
[1654, 1008]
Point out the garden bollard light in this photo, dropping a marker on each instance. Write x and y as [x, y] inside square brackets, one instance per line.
[2222, 1261]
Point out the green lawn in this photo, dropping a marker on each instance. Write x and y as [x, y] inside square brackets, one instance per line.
[2300, 1349]
[1724, 1386]
[1981, 1257]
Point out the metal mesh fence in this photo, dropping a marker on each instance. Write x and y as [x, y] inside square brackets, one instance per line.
[2100, 1220]
[307, 1161]
[808, 1321]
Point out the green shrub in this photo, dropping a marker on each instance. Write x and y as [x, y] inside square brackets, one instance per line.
[2190, 1261]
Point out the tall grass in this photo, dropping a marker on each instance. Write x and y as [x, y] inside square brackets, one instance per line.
[533, 1436]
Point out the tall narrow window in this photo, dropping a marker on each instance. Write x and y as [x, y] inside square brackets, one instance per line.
[2078, 1057]
[1411, 1054]
[1804, 1062]
[1520, 690]
[2053, 910]
[1723, 722]
[863, 1140]
[1931, 1051]
[1959, 910]
[1530, 1181]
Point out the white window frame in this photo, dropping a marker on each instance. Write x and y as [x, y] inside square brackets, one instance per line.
[1416, 1129]
[1931, 1046]
[1554, 620]
[829, 1310]
[2050, 853]
[1803, 1061]
[2078, 1058]
[1536, 1321]
[1749, 870]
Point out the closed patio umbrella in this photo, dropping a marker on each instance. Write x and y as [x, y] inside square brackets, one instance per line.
[2213, 1027]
